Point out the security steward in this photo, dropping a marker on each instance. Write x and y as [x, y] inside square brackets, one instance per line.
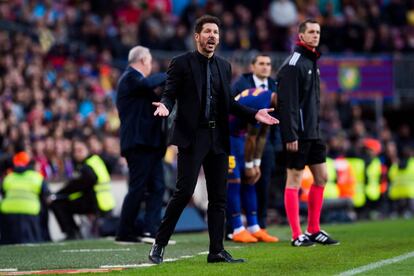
[23, 192]
[88, 192]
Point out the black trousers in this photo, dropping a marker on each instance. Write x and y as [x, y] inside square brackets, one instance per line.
[64, 209]
[208, 152]
[146, 182]
[15, 228]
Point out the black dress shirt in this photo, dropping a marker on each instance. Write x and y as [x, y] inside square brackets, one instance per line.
[215, 88]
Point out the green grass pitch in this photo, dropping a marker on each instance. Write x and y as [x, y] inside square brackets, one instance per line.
[362, 243]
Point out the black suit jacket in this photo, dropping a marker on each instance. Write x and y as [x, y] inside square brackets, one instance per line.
[183, 86]
[135, 95]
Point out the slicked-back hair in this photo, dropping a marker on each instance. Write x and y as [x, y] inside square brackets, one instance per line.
[254, 59]
[203, 20]
[302, 26]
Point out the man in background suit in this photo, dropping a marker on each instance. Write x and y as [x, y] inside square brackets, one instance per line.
[261, 69]
[200, 83]
[142, 144]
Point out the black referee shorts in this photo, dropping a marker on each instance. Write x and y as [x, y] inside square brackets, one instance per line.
[310, 152]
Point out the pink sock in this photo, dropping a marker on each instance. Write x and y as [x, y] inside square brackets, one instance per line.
[292, 210]
[315, 202]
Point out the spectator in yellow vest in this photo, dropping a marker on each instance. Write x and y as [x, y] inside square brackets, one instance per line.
[401, 192]
[373, 172]
[23, 191]
[88, 192]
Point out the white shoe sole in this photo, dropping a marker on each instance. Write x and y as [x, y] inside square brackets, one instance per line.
[149, 240]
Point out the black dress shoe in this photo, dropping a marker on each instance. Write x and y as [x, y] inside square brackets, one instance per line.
[156, 254]
[126, 240]
[222, 257]
[72, 236]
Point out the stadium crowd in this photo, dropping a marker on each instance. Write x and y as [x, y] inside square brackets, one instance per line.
[116, 26]
[59, 65]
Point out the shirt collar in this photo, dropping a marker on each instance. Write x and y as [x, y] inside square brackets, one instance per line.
[258, 82]
[203, 58]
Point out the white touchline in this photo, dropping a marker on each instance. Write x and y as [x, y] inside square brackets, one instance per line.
[203, 253]
[375, 265]
[170, 260]
[127, 265]
[8, 269]
[165, 260]
[86, 250]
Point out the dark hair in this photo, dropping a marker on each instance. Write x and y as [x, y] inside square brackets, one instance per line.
[203, 20]
[302, 26]
[254, 59]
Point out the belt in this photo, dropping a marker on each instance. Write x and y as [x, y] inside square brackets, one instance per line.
[209, 124]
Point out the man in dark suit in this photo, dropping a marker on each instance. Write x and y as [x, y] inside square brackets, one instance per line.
[142, 144]
[261, 68]
[200, 83]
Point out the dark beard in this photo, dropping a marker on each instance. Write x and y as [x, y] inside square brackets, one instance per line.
[204, 46]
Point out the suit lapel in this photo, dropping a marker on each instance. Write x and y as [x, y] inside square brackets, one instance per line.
[223, 80]
[251, 80]
[196, 70]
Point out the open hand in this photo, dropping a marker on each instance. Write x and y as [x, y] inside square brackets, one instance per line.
[263, 116]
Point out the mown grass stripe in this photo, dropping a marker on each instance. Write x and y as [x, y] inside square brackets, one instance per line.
[86, 250]
[127, 265]
[376, 265]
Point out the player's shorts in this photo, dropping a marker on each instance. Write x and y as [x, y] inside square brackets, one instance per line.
[236, 158]
[310, 152]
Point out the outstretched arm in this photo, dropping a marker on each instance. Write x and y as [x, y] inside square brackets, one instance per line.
[164, 107]
[139, 85]
[250, 114]
[153, 81]
[261, 115]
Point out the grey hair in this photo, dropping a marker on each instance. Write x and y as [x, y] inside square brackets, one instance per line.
[138, 53]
